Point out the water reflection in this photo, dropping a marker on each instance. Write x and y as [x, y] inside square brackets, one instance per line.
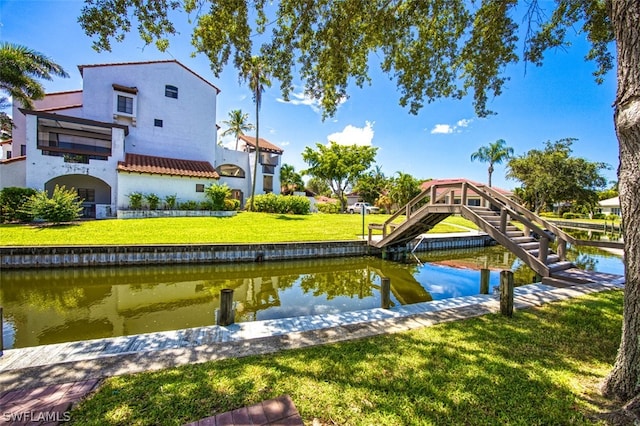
[58, 305]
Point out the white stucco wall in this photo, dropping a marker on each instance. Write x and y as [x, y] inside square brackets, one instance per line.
[40, 169]
[189, 122]
[161, 185]
[13, 173]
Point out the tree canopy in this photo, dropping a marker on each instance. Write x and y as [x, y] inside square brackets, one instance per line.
[552, 175]
[339, 165]
[432, 48]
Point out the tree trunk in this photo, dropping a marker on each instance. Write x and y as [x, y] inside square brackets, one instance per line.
[623, 381]
[255, 162]
[490, 170]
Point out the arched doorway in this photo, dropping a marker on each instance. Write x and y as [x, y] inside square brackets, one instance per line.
[91, 190]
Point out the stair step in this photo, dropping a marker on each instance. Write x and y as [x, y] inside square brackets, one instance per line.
[523, 239]
[532, 245]
[513, 234]
[560, 266]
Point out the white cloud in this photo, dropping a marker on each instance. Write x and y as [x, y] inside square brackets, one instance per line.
[352, 135]
[441, 129]
[301, 98]
[284, 143]
[448, 128]
[464, 122]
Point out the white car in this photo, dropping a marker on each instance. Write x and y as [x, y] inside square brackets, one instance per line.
[368, 208]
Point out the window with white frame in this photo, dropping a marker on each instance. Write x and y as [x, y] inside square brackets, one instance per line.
[125, 102]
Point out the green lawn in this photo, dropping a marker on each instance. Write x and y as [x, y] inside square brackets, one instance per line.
[540, 367]
[246, 227]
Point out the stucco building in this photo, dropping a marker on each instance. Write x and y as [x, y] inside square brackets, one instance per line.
[147, 127]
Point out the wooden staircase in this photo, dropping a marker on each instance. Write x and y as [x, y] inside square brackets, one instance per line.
[497, 216]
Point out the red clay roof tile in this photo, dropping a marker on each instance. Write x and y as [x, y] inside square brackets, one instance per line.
[265, 145]
[167, 166]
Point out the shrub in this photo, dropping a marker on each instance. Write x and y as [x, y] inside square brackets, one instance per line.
[599, 216]
[206, 205]
[63, 206]
[12, 200]
[135, 201]
[217, 193]
[272, 203]
[332, 208]
[153, 200]
[188, 205]
[547, 214]
[231, 204]
[569, 215]
[170, 200]
[613, 217]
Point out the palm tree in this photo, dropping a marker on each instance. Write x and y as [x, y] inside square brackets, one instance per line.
[495, 153]
[19, 69]
[237, 124]
[289, 179]
[257, 74]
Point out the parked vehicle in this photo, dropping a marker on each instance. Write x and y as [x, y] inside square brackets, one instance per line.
[368, 208]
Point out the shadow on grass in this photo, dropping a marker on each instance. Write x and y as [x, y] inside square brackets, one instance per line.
[51, 225]
[285, 217]
[487, 370]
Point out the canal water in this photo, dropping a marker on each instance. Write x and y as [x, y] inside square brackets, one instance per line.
[61, 305]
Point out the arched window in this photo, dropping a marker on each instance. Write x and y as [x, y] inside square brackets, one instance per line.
[230, 170]
[171, 91]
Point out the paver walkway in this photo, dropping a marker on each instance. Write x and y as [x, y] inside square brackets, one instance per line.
[30, 368]
[279, 411]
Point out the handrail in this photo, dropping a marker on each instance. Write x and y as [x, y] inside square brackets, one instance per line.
[549, 225]
[536, 264]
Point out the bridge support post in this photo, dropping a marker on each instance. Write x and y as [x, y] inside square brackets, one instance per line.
[463, 196]
[385, 293]
[544, 249]
[506, 293]
[504, 218]
[562, 249]
[484, 281]
[226, 314]
[1, 331]
[433, 195]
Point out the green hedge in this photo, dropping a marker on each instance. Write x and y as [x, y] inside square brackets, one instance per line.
[285, 204]
[12, 200]
[569, 215]
[332, 208]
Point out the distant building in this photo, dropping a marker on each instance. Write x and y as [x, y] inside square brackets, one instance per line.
[610, 206]
[147, 127]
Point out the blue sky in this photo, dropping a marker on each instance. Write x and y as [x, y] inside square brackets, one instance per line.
[558, 100]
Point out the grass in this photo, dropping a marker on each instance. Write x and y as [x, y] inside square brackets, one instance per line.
[540, 367]
[246, 227]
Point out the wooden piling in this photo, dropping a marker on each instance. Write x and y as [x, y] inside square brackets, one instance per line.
[1, 332]
[506, 293]
[226, 314]
[484, 281]
[385, 293]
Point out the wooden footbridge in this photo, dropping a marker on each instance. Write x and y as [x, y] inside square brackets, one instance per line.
[497, 215]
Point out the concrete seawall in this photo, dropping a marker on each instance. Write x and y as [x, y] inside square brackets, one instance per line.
[75, 256]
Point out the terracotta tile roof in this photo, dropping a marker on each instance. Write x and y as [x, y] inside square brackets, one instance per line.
[265, 145]
[82, 67]
[6, 141]
[14, 159]
[60, 108]
[167, 166]
[430, 183]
